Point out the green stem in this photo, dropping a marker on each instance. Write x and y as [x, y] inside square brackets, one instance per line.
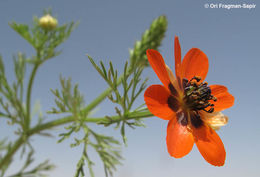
[65, 120]
[96, 120]
[12, 151]
[97, 100]
[104, 94]
[101, 97]
[28, 97]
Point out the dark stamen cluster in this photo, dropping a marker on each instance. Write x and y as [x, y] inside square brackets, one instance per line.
[198, 95]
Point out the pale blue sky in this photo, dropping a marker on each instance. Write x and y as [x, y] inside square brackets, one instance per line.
[107, 30]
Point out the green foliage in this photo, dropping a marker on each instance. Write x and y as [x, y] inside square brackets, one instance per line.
[131, 79]
[13, 105]
[44, 42]
[11, 99]
[131, 90]
[123, 91]
[68, 100]
[106, 147]
[37, 171]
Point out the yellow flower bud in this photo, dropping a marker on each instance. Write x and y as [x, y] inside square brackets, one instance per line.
[48, 22]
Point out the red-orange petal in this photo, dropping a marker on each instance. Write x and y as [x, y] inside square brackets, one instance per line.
[218, 89]
[210, 145]
[179, 140]
[157, 63]
[224, 98]
[195, 63]
[156, 99]
[177, 54]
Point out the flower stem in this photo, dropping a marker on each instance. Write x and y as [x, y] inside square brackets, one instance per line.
[28, 97]
[97, 100]
[101, 97]
[65, 120]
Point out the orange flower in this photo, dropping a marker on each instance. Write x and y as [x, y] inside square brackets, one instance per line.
[191, 106]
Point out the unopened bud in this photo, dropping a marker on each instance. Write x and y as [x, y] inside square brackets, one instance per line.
[48, 22]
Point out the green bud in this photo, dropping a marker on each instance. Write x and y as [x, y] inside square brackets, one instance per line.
[47, 22]
[151, 39]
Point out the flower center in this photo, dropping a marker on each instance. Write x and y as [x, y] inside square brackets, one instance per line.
[197, 95]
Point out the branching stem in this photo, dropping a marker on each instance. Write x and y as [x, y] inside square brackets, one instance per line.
[65, 120]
